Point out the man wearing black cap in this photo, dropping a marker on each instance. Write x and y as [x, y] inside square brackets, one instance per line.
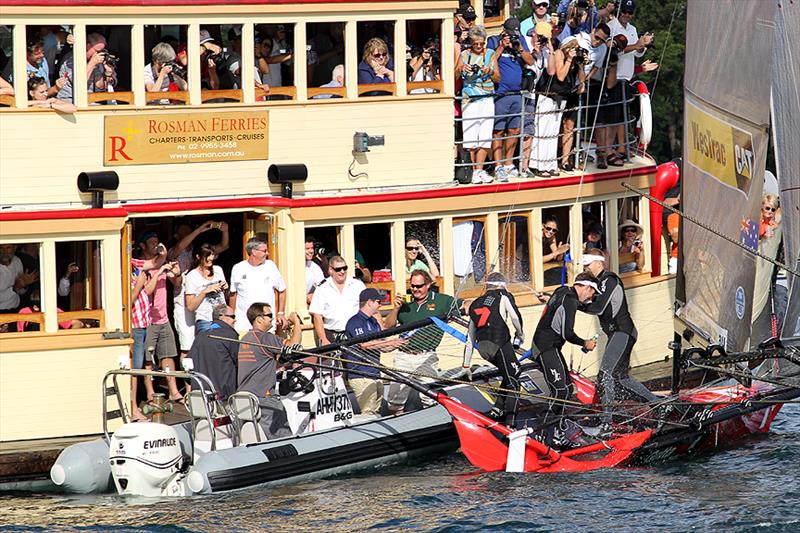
[488, 327]
[365, 380]
[512, 54]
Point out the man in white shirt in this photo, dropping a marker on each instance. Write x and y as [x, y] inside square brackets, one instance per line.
[255, 280]
[334, 302]
[314, 275]
[13, 279]
[636, 48]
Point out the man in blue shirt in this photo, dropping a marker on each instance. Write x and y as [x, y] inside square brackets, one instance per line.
[366, 383]
[513, 54]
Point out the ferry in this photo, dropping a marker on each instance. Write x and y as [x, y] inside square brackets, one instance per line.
[356, 168]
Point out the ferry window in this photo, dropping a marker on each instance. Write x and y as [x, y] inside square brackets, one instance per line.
[423, 56]
[595, 226]
[7, 66]
[373, 252]
[167, 68]
[515, 249]
[108, 68]
[48, 52]
[376, 58]
[20, 286]
[274, 45]
[326, 242]
[80, 284]
[555, 245]
[421, 248]
[493, 11]
[469, 253]
[220, 62]
[325, 59]
[631, 236]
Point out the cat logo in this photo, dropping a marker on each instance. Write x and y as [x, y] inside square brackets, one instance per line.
[743, 158]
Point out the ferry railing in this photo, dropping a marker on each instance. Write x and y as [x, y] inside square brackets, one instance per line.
[204, 385]
[583, 130]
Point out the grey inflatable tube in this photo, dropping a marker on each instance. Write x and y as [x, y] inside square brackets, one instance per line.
[83, 468]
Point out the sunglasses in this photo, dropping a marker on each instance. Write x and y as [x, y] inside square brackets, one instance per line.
[768, 208]
[233, 316]
[623, 12]
[340, 269]
[629, 230]
[548, 229]
[267, 315]
[412, 248]
[541, 5]
[415, 286]
[379, 54]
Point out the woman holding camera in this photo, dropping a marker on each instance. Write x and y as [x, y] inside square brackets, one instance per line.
[205, 287]
[424, 66]
[560, 79]
[477, 66]
[159, 74]
[631, 249]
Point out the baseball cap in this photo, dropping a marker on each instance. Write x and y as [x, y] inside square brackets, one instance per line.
[467, 12]
[627, 5]
[205, 37]
[511, 26]
[587, 283]
[595, 227]
[591, 258]
[369, 294]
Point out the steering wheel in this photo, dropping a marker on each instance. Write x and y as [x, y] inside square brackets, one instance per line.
[295, 381]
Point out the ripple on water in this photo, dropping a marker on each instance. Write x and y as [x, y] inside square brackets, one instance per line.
[753, 488]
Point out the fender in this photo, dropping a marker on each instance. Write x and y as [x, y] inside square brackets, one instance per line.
[645, 124]
[667, 176]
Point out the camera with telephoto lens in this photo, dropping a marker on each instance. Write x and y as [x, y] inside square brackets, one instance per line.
[177, 69]
[218, 59]
[580, 55]
[513, 39]
[319, 249]
[543, 40]
[109, 59]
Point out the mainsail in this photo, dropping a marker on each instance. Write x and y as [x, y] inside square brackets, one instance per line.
[786, 137]
[726, 124]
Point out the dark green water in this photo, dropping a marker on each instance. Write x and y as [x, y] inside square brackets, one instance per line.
[755, 487]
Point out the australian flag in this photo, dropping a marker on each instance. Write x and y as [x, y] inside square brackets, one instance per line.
[749, 233]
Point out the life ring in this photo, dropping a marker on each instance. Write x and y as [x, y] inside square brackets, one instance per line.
[645, 124]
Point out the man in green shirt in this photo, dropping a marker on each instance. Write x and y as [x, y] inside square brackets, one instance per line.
[419, 353]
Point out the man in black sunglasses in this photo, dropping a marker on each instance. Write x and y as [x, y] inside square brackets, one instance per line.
[258, 357]
[419, 354]
[215, 357]
[335, 300]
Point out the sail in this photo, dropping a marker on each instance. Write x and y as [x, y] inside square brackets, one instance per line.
[786, 137]
[726, 123]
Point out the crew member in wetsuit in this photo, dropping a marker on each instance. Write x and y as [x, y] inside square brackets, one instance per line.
[488, 326]
[611, 306]
[555, 328]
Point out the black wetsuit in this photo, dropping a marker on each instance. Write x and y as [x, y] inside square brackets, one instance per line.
[555, 328]
[488, 328]
[611, 306]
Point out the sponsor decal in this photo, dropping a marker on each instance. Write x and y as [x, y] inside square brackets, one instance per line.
[719, 149]
[160, 443]
[740, 302]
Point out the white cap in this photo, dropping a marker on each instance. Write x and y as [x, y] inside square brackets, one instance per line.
[587, 283]
[591, 258]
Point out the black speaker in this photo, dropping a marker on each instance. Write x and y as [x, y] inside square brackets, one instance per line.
[286, 175]
[98, 183]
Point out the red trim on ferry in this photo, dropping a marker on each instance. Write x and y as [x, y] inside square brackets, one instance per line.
[276, 201]
[151, 3]
[61, 214]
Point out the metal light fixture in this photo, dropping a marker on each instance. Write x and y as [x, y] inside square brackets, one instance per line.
[98, 183]
[286, 176]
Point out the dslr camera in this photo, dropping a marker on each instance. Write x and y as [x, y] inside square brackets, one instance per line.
[475, 69]
[514, 40]
[177, 69]
[109, 59]
[581, 56]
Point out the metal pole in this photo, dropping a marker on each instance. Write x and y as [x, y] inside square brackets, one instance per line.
[625, 119]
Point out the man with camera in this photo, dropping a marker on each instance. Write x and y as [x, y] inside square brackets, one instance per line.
[581, 15]
[211, 58]
[636, 47]
[424, 65]
[97, 57]
[512, 56]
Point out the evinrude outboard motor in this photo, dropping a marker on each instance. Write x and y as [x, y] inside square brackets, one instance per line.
[145, 458]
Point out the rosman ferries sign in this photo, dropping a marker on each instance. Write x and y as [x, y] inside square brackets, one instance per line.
[165, 138]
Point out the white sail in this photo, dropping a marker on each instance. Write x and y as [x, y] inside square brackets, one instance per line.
[786, 137]
[726, 120]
